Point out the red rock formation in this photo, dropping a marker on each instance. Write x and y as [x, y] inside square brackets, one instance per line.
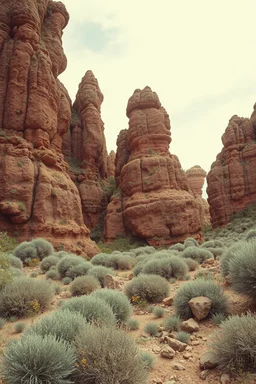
[85, 149]
[232, 178]
[196, 176]
[37, 196]
[157, 205]
[111, 164]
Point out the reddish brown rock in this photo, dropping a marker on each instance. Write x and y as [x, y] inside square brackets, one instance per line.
[196, 177]
[37, 196]
[232, 180]
[156, 201]
[84, 147]
[111, 164]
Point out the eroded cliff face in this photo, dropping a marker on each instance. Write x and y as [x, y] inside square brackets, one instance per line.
[84, 147]
[155, 201]
[196, 177]
[232, 178]
[37, 196]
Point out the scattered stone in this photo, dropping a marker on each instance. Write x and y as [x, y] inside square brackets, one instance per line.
[140, 313]
[175, 344]
[65, 295]
[167, 353]
[156, 349]
[111, 282]
[170, 382]
[208, 361]
[168, 300]
[195, 343]
[225, 379]
[190, 326]
[200, 307]
[204, 374]
[208, 262]
[187, 355]
[178, 367]
[130, 276]
[157, 381]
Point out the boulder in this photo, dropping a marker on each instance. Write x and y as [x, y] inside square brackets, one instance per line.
[200, 307]
[190, 326]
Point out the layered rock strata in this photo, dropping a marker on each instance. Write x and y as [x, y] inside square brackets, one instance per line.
[232, 178]
[155, 203]
[37, 196]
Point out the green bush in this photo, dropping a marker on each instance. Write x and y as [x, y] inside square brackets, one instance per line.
[109, 356]
[84, 285]
[151, 288]
[177, 247]
[37, 359]
[43, 248]
[5, 272]
[138, 268]
[14, 261]
[148, 359]
[190, 242]
[218, 318]
[132, 325]
[228, 255]
[115, 260]
[251, 234]
[199, 287]
[158, 312]
[233, 345]
[99, 272]
[204, 274]
[182, 336]
[79, 269]
[63, 325]
[19, 327]
[172, 323]
[100, 259]
[172, 266]
[25, 250]
[144, 250]
[66, 264]
[151, 329]
[48, 262]
[191, 263]
[93, 309]
[52, 274]
[2, 322]
[118, 302]
[243, 270]
[25, 297]
[7, 243]
[66, 280]
[198, 254]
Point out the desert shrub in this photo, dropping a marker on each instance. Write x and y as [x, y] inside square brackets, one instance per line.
[208, 244]
[5, 272]
[66, 263]
[19, 327]
[43, 248]
[148, 359]
[177, 247]
[228, 255]
[66, 280]
[158, 312]
[138, 268]
[99, 272]
[151, 329]
[25, 250]
[151, 288]
[243, 270]
[100, 259]
[118, 302]
[132, 324]
[2, 322]
[191, 263]
[233, 345]
[84, 285]
[93, 309]
[125, 262]
[217, 252]
[172, 323]
[33, 274]
[79, 269]
[182, 336]
[24, 297]
[37, 359]
[110, 356]
[204, 274]
[52, 274]
[48, 262]
[150, 308]
[14, 261]
[144, 250]
[63, 325]
[61, 254]
[190, 242]
[198, 254]
[218, 318]
[172, 266]
[115, 260]
[7, 243]
[199, 287]
[251, 234]
[16, 272]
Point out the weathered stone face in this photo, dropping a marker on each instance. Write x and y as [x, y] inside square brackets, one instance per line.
[37, 196]
[232, 179]
[156, 202]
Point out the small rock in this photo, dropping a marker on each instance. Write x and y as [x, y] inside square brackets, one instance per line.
[140, 313]
[195, 342]
[130, 276]
[228, 279]
[157, 381]
[208, 361]
[187, 355]
[189, 348]
[190, 326]
[200, 307]
[168, 300]
[225, 379]
[111, 282]
[156, 349]
[170, 382]
[204, 374]
[167, 353]
[178, 367]
[208, 262]
[175, 344]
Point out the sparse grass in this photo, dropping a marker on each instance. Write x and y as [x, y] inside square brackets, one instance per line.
[218, 318]
[182, 336]
[172, 323]
[158, 312]
[132, 324]
[148, 359]
[151, 329]
[19, 327]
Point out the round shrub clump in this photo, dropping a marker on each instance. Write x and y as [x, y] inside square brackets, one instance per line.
[43, 248]
[66, 264]
[99, 272]
[118, 302]
[25, 250]
[167, 267]
[64, 325]
[93, 309]
[52, 274]
[37, 359]
[80, 269]
[84, 285]
[228, 255]
[199, 287]
[198, 254]
[110, 356]
[191, 263]
[25, 297]
[48, 262]
[152, 288]
[233, 346]
[14, 261]
[243, 270]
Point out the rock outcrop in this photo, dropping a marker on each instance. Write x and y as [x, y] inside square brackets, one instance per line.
[84, 147]
[232, 179]
[37, 196]
[196, 177]
[155, 202]
[111, 164]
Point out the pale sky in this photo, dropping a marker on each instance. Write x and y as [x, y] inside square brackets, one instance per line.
[198, 55]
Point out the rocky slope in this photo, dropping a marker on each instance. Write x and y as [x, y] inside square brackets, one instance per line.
[155, 201]
[37, 195]
[232, 179]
